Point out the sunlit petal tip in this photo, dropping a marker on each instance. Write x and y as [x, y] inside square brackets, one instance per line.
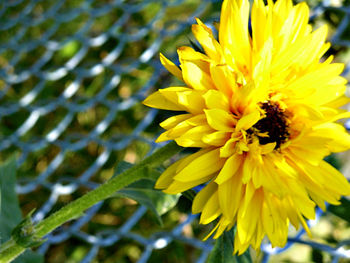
[163, 138]
[200, 23]
[171, 67]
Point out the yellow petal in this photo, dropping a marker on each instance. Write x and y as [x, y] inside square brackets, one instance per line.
[166, 177]
[195, 69]
[248, 168]
[185, 161]
[257, 176]
[204, 165]
[230, 168]
[211, 209]
[157, 100]
[233, 32]
[258, 21]
[220, 120]
[205, 37]
[192, 101]
[262, 72]
[216, 100]
[223, 78]
[229, 148]
[177, 187]
[164, 137]
[197, 120]
[193, 137]
[190, 142]
[319, 80]
[202, 197]
[246, 225]
[218, 138]
[171, 67]
[174, 120]
[339, 138]
[230, 196]
[179, 129]
[248, 121]
[335, 180]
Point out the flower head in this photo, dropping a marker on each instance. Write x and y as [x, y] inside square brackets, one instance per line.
[262, 107]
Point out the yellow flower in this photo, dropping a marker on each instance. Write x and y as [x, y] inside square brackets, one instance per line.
[262, 107]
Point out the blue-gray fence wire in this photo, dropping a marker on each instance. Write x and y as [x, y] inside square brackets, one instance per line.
[70, 71]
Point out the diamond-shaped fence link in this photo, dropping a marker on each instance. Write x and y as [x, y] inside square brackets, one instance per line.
[73, 74]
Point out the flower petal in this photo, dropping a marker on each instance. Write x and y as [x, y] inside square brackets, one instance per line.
[157, 100]
[202, 197]
[195, 69]
[230, 168]
[220, 120]
[202, 166]
[171, 67]
[205, 37]
[248, 120]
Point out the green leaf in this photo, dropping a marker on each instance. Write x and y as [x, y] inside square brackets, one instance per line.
[342, 210]
[223, 250]
[144, 193]
[10, 212]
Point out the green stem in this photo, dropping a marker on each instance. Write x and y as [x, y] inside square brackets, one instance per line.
[10, 250]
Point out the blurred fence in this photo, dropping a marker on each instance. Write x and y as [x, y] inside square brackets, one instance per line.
[72, 76]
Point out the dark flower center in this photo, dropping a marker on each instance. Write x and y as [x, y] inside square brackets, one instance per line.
[274, 124]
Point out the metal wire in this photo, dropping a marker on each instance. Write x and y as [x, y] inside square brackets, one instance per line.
[44, 100]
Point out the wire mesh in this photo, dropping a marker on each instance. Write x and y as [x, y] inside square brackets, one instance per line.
[73, 74]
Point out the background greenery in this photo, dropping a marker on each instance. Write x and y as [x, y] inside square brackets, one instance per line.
[115, 211]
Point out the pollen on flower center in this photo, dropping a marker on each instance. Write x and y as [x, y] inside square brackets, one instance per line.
[274, 125]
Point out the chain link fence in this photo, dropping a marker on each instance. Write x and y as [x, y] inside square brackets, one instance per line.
[72, 76]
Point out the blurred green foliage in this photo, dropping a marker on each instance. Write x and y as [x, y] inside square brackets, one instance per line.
[10, 212]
